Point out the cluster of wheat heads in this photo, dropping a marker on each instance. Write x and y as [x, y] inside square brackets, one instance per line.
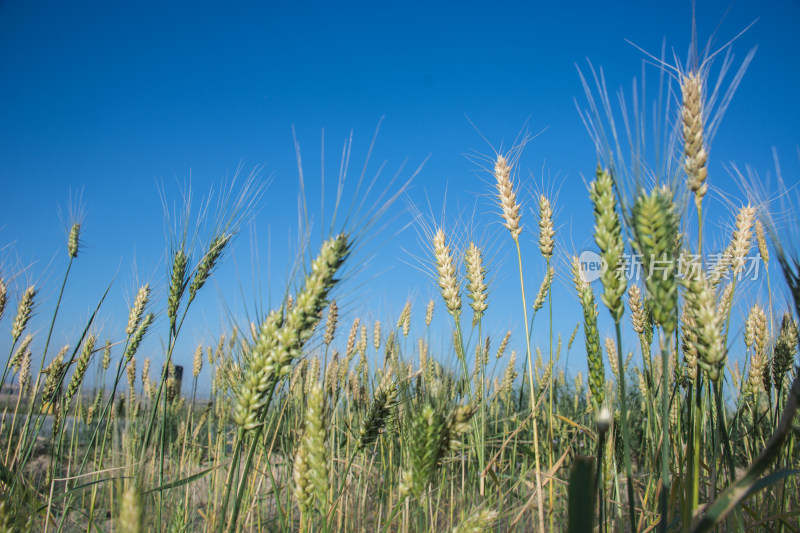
[708, 432]
[313, 424]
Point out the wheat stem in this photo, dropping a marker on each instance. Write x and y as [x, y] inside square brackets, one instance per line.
[528, 358]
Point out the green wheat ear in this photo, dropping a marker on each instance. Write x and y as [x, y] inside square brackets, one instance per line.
[383, 400]
[432, 435]
[136, 340]
[703, 325]
[130, 511]
[477, 522]
[594, 354]
[24, 346]
[177, 284]
[785, 348]
[608, 236]
[424, 451]
[207, 264]
[7, 514]
[73, 242]
[544, 289]
[311, 458]
[24, 312]
[655, 226]
[281, 339]
[80, 367]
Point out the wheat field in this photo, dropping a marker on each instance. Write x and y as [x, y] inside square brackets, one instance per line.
[317, 424]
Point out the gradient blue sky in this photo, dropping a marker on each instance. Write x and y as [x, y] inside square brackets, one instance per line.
[116, 102]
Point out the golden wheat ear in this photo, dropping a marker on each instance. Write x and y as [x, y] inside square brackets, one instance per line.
[445, 265]
[476, 285]
[506, 197]
[694, 149]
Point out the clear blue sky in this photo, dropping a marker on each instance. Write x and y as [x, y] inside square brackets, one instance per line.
[116, 100]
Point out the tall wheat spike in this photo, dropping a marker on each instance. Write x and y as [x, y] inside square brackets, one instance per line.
[655, 225]
[280, 340]
[594, 354]
[695, 155]
[476, 285]
[445, 265]
[506, 197]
